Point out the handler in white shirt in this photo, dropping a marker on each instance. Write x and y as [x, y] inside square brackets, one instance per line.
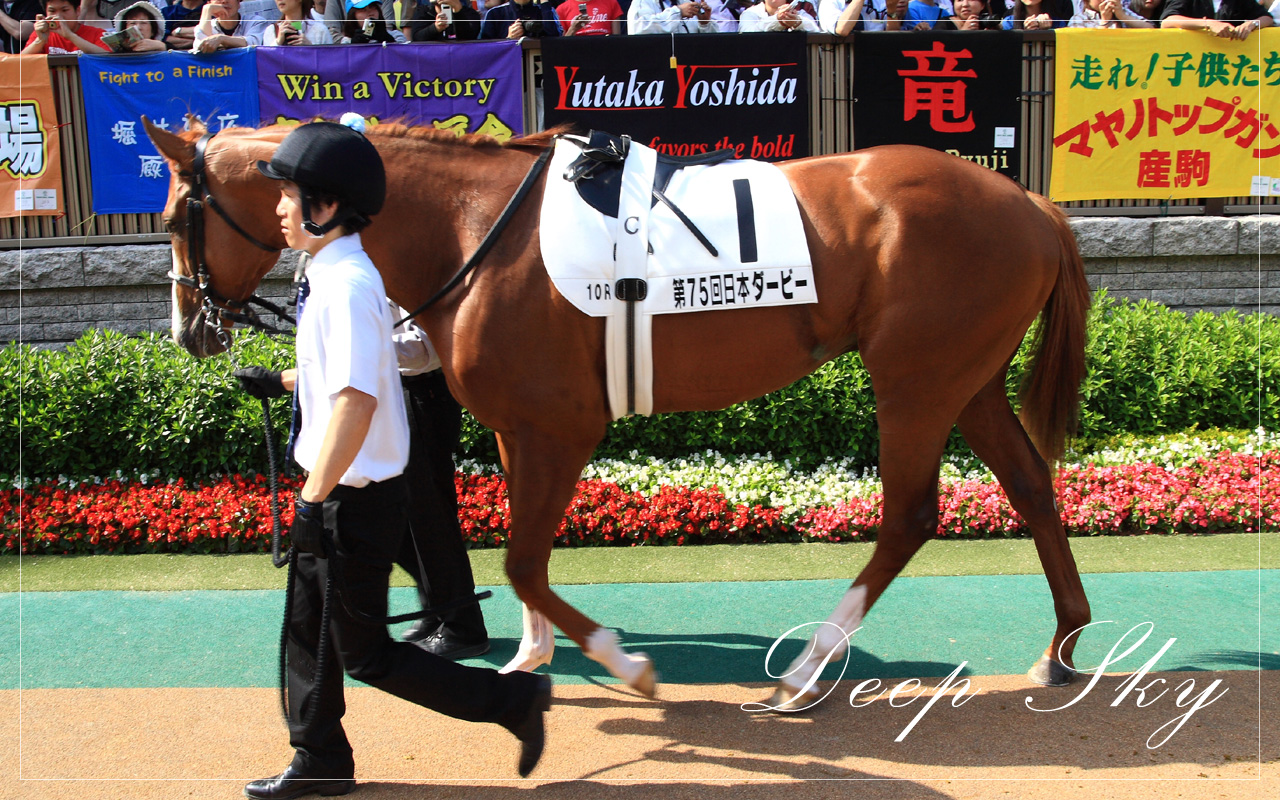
[350, 513]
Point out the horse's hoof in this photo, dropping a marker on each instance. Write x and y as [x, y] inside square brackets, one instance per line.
[1051, 672]
[646, 683]
[525, 662]
[786, 700]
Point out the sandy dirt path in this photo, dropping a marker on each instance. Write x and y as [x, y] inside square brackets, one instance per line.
[695, 742]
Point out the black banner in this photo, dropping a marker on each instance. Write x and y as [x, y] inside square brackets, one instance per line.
[684, 95]
[956, 91]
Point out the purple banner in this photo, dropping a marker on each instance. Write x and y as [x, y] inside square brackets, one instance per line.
[468, 88]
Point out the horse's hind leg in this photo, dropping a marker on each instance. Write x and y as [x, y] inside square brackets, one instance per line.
[912, 437]
[542, 475]
[996, 436]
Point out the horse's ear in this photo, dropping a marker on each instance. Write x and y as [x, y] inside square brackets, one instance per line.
[172, 146]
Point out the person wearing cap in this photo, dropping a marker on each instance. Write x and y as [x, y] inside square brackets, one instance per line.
[365, 24]
[350, 514]
[150, 23]
[337, 13]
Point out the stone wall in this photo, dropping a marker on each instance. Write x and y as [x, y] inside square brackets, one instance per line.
[68, 290]
[1187, 263]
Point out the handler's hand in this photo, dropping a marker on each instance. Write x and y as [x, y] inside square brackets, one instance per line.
[307, 533]
[261, 382]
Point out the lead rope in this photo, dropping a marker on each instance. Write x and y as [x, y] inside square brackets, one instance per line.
[290, 557]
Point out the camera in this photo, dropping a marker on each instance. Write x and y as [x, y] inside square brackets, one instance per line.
[530, 16]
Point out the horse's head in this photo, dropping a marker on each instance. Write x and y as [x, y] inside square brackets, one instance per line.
[218, 258]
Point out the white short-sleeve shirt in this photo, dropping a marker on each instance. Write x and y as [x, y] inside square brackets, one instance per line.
[344, 340]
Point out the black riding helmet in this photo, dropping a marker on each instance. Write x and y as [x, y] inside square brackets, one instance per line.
[330, 159]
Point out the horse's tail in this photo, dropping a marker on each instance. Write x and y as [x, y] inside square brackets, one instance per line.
[1050, 392]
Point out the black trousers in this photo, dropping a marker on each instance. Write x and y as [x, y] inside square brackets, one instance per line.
[435, 425]
[369, 523]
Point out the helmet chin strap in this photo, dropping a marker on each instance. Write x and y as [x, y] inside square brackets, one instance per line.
[317, 231]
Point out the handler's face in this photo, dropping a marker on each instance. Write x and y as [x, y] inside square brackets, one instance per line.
[289, 210]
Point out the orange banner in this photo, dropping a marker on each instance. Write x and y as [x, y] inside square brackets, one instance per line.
[30, 161]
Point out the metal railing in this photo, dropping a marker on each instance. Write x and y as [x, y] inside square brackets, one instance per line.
[831, 131]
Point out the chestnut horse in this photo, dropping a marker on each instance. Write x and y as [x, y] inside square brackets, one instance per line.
[929, 266]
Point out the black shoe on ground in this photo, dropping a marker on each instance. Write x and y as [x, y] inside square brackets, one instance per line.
[294, 783]
[530, 732]
[442, 644]
[421, 630]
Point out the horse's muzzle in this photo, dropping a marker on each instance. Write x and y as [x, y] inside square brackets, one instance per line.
[200, 338]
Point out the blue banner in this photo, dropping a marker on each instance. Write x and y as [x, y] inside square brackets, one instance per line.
[129, 176]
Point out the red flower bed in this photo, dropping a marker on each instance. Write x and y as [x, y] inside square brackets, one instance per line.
[1229, 492]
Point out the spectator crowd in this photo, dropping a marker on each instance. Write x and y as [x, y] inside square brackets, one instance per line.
[206, 26]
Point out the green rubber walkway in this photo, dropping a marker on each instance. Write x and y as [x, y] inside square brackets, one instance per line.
[696, 632]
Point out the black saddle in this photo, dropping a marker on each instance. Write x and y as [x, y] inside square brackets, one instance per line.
[597, 173]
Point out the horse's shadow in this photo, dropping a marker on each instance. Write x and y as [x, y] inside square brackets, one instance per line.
[867, 785]
[715, 658]
[1026, 725]
[1199, 662]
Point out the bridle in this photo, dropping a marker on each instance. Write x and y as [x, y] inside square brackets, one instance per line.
[219, 311]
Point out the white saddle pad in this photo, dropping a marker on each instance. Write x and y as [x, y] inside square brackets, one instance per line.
[579, 243]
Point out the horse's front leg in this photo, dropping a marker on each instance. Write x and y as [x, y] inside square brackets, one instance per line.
[538, 640]
[537, 643]
[542, 475]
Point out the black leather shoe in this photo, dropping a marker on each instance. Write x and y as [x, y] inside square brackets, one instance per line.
[442, 644]
[294, 783]
[530, 732]
[421, 630]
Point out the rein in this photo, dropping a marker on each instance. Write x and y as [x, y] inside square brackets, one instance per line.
[490, 238]
[218, 310]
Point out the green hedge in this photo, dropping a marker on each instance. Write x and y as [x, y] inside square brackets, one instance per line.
[112, 403]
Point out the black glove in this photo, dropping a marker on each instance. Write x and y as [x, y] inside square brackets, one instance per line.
[261, 382]
[307, 532]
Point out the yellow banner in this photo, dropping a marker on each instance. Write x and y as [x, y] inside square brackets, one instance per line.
[1165, 114]
[30, 162]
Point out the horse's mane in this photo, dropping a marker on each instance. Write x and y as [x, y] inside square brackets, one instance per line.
[397, 130]
[400, 130]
